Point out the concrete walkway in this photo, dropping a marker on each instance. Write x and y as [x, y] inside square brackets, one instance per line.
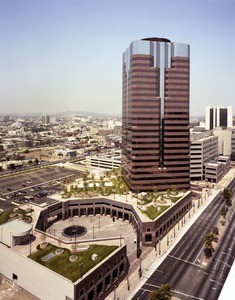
[131, 284]
[155, 257]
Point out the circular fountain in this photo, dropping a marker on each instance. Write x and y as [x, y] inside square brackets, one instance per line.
[74, 231]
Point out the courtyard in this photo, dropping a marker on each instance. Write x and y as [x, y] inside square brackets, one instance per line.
[99, 230]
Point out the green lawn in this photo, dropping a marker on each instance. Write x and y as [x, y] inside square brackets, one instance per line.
[72, 270]
[153, 212]
[5, 215]
[175, 199]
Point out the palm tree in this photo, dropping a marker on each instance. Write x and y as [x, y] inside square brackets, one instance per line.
[164, 293]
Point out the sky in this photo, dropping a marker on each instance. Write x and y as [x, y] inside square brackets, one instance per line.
[66, 55]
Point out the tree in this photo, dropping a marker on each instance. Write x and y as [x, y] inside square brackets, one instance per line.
[223, 212]
[155, 190]
[215, 230]
[168, 193]
[174, 189]
[228, 193]
[209, 239]
[164, 293]
[208, 252]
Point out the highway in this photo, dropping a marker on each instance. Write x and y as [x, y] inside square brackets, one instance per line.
[182, 268]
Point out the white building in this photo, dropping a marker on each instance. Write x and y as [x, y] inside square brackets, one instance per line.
[14, 233]
[203, 148]
[103, 162]
[224, 140]
[64, 152]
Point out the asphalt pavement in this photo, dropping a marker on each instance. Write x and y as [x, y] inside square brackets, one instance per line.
[186, 269]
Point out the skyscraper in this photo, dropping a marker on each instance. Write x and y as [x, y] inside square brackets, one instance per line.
[217, 116]
[45, 120]
[155, 115]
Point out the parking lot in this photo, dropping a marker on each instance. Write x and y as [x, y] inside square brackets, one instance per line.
[35, 185]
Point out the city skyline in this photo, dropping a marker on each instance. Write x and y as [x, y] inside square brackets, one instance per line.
[66, 55]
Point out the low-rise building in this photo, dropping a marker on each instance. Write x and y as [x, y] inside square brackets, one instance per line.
[203, 148]
[103, 162]
[215, 170]
[224, 140]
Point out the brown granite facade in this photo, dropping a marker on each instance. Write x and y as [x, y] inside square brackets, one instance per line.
[155, 120]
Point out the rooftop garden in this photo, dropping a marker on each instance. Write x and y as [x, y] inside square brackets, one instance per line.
[153, 212]
[153, 204]
[89, 186]
[16, 213]
[70, 265]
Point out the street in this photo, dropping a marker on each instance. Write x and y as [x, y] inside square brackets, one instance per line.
[182, 268]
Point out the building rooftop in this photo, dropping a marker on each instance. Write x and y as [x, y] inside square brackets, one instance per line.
[17, 227]
[156, 39]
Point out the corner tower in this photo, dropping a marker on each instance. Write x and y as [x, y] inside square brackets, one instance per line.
[155, 115]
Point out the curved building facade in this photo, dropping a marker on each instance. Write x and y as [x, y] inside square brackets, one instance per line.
[155, 115]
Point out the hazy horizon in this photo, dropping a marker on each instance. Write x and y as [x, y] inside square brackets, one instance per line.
[66, 55]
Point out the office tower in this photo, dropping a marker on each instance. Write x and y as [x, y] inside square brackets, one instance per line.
[217, 116]
[45, 120]
[155, 115]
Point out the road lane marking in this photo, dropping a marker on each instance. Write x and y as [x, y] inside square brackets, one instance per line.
[228, 254]
[228, 265]
[199, 253]
[174, 291]
[189, 262]
[216, 282]
[188, 296]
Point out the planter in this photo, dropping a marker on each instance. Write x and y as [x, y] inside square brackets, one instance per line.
[14, 215]
[43, 245]
[73, 258]
[59, 251]
[27, 219]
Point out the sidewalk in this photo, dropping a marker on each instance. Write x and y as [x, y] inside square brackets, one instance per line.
[151, 262]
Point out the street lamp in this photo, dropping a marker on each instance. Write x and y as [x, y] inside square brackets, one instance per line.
[128, 283]
[140, 270]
